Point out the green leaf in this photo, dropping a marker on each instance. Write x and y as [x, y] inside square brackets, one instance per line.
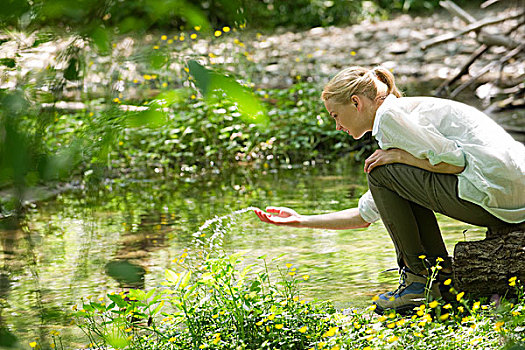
[168, 98]
[210, 82]
[138, 294]
[101, 38]
[150, 118]
[171, 276]
[8, 62]
[186, 279]
[71, 73]
[157, 309]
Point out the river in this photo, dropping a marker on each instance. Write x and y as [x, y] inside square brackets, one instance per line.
[67, 247]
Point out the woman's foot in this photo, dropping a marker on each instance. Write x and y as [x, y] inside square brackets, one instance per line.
[410, 294]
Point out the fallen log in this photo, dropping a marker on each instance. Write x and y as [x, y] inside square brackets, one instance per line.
[475, 26]
[483, 268]
[487, 68]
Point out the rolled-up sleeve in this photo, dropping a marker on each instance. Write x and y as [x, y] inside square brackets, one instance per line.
[424, 141]
[367, 208]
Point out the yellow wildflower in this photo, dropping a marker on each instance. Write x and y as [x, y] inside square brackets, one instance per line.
[330, 332]
[444, 317]
[498, 326]
[476, 306]
[164, 37]
[447, 282]
[303, 329]
[422, 257]
[460, 296]
[218, 33]
[271, 317]
[193, 36]
[393, 338]
[226, 29]
[279, 326]
[433, 304]
[32, 344]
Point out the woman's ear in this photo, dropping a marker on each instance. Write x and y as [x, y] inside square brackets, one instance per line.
[355, 101]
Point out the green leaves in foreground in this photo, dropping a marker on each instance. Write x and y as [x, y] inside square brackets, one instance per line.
[210, 82]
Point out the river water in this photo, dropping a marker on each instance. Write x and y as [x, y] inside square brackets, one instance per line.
[69, 246]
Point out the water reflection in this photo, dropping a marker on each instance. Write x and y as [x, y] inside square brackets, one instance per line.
[88, 243]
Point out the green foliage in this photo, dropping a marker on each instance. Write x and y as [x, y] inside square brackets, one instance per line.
[198, 134]
[223, 303]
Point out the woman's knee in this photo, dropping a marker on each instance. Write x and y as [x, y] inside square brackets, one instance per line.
[380, 175]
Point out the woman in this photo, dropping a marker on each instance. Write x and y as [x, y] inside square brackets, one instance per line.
[435, 155]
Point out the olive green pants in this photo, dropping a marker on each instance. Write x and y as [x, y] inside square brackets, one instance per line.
[407, 198]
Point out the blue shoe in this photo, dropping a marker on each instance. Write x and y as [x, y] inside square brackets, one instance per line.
[411, 293]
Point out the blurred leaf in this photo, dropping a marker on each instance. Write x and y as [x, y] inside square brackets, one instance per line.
[209, 81]
[14, 9]
[13, 103]
[101, 38]
[7, 339]
[161, 9]
[71, 72]
[61, 164]
[167, 98]
[8, 62]
[150, 118]
[131, 24]
[158, 60]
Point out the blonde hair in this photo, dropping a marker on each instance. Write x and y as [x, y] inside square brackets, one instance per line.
[358, 81]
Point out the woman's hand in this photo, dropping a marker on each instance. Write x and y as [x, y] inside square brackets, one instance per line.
[283, 216]
[382, 157]
[396, 155]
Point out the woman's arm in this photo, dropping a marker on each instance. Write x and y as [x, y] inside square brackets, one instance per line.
[395, 155]
[340, 220]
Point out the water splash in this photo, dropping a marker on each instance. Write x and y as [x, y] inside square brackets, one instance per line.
[221, 225]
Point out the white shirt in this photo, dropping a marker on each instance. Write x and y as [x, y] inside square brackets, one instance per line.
[452, 132]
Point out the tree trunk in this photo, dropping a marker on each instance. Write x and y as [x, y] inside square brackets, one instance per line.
[484, 267]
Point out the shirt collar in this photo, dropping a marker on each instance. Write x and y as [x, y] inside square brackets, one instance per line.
[388, 100]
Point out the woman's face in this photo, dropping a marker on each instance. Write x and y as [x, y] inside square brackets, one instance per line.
[349, 117]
